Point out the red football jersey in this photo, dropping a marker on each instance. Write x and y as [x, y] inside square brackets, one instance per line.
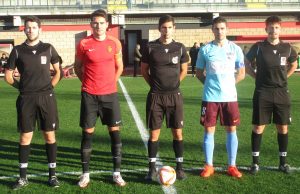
[99, 64]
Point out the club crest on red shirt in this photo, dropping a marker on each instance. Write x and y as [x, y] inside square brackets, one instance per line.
[109, 49]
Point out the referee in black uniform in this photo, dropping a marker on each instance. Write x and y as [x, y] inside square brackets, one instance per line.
[164, 65]
[276, 61]
[36, 102]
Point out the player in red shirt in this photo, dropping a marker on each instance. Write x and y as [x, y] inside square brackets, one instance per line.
[98, 65]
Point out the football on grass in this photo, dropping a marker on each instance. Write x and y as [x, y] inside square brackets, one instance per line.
[166, 175]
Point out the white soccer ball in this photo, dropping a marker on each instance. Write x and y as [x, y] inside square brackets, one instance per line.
[166, 175]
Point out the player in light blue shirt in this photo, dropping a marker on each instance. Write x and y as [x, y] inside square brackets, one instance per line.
[220, 65]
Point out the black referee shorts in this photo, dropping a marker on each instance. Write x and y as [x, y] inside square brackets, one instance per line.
[40, 108]
[106, 107]
[164, 105]
[270, 102]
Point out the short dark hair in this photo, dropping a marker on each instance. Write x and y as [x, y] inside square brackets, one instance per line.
[218, 20]
[32, 19]
[273, 19]
[99, 13]
[165, 18]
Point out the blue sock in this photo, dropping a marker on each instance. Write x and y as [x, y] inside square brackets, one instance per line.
[208, 147]
[232, 146]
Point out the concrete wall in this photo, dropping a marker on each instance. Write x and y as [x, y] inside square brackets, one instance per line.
[63, 41]
[189, 36]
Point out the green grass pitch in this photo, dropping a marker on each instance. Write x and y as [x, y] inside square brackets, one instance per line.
[134, 162]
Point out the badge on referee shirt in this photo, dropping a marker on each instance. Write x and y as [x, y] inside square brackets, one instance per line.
[43, 59]
[282, 60]
[175, 60]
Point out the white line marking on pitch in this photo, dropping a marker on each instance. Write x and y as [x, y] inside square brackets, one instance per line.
[143, 132]
[218, 169]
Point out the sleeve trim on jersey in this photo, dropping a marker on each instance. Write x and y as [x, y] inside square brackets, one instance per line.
[17, 54]
[290, 50]
[239, 65]
[258, 47]
[181, 50]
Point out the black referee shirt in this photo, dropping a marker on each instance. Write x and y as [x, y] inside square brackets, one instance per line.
[33, 63]
[271, 62]
[165, 64]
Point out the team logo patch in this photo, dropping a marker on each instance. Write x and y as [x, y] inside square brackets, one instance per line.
[43, 60]
[118, 122]
[175, 60]
[23, 165]
[179, 159]
[230, 55]
[282, 153]
[52, 165]
[109, 49]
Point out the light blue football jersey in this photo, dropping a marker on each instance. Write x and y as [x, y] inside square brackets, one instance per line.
[220, 64]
